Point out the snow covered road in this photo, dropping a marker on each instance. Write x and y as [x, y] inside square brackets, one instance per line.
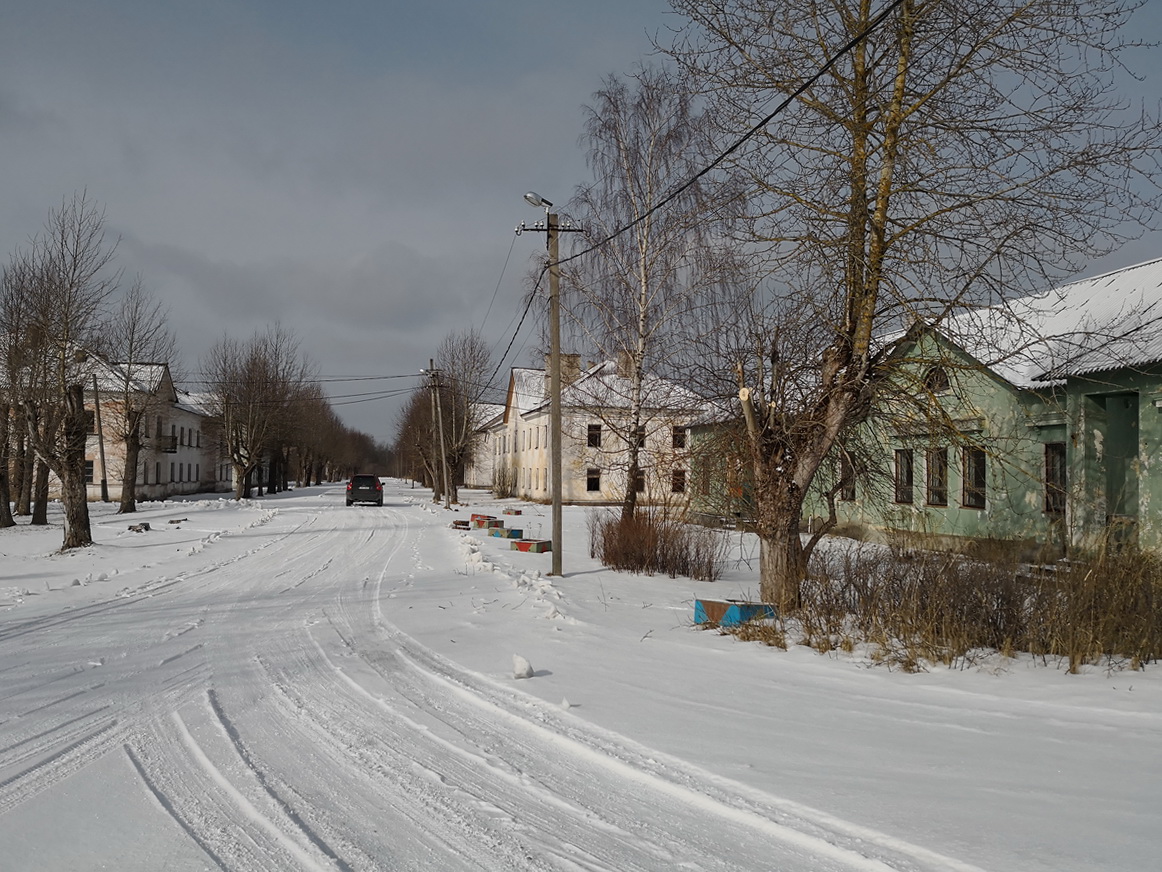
[238, 689]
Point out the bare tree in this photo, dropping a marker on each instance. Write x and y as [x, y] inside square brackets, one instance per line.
[416, 440]
[252, 387]
[60, 286]
[643, 141]
[961, 152]
[139, 343]
[463, 362]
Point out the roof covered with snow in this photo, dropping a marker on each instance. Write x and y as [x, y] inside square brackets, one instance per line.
[1092, 325]
[601, 386]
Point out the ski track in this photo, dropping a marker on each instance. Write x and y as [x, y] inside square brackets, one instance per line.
[293, 726]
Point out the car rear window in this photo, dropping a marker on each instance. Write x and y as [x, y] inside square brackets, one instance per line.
[364, 481]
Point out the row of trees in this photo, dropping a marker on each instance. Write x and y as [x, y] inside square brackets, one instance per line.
[943, 154]
[69, 326]
[439, 426]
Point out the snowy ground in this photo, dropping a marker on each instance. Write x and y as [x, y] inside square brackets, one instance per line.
[289, 683]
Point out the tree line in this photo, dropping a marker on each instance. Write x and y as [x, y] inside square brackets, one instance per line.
[71, 326]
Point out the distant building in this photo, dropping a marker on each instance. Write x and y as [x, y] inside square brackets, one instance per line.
[595, 406]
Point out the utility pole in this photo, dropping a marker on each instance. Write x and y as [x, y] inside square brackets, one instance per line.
[100, 441]
[553, 230]
[439, 421]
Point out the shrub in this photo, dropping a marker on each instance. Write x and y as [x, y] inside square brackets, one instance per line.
[652, 542]
[915, 606]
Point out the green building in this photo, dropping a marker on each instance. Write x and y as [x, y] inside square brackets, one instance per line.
[1038, 423]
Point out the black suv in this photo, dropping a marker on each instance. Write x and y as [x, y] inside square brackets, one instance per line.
[365, 489]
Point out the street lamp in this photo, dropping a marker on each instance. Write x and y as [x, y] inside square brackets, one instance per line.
[536, 200]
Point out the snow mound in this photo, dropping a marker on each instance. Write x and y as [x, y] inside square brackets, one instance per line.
[521, 668]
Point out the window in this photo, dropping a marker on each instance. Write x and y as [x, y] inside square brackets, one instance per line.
[1055, 478]
[679, 437]
[593, 480]
[158, 426]
[171, 472]
[145, 473]
[936, 380]
[198, 436]
[640, 437]
[90, 421]
[903, 475]
[937, 476]
[678, 481]
[973, 485]
[594, 436]
[639, 481]
[846, 479]
[157, 473]
[182, 437]
[197, 472]
[88, 472]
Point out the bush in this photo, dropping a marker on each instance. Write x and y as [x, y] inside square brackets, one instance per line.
[654, 543]
[919, 606]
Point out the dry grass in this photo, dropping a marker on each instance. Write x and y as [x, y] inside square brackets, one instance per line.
[921, 607]
[654, 543]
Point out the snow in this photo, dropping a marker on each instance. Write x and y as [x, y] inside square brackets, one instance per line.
[289, 683]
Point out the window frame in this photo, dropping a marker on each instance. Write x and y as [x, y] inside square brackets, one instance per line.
[593, 480]
[593, 438]
[1056, 478]
[846, 479]
[973, 478]
[904, 476]
[936, 477]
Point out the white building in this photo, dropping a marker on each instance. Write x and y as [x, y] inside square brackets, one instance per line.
[595, 413]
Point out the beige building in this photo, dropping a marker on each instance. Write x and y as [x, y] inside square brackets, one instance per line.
[595, 412]
[178, 455]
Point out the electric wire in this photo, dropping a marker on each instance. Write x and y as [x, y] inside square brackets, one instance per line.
[717, 161]
[778, 110]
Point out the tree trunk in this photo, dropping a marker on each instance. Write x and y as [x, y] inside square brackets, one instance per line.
[129, 476]
[782, 567]
[6, 519]
[74, 491]
[23, 464]
[39, 489]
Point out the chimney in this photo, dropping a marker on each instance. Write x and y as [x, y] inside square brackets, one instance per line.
[570, 370]
[624, 364]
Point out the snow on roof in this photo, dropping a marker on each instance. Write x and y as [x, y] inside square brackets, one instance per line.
[1092, 325]
[601, 386]
[200, 403]
[486, 414]
[528, 389]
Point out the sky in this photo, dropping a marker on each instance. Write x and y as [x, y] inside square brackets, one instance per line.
[353, 170]
[289, 683]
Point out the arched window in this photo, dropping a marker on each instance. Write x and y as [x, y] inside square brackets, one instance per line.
[936, 380]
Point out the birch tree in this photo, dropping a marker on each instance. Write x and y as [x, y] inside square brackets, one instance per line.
[642, 140]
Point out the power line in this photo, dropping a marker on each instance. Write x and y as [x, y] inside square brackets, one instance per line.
[867, 31]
